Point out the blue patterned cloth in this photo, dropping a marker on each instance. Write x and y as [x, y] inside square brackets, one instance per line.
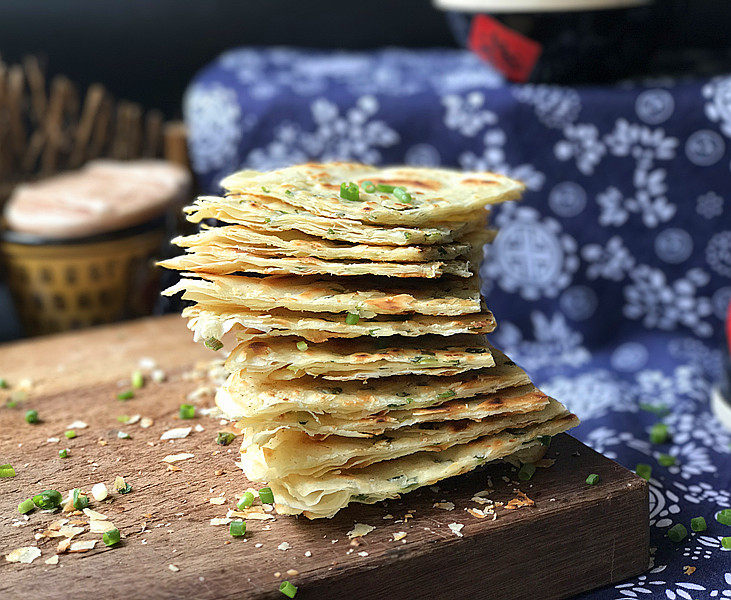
[610, 280]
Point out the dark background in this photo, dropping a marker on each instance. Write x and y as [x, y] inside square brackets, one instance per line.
[147, 50]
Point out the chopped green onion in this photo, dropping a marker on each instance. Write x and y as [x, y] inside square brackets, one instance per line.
[31, 416]
[213, 343]
[126, 395]
[592, 479]
[349, 191]
[384, 187]
[526, 471]
[81, 501]
[265, 189]
[724, 516]
[246, 501]
[48, 499]
[123, 418]
[26, 506]
[111, 537]
[368, 186]
[4, 383]
[659, 433]
[698, 524]
[302, 346]
[726, 543]
[677, 532]
[70, 434]
[187, 411]
[237, 528]
[11, 403]
[138, 380]
[224, 438]
[352, 319]
[64, 453]
[288, 589]
[644, 471]
[330, 231]
[288, 193]
[666, 460]
[402, 195]
[7, 471]
[658, 409]
[446, 395]
[266, 495]
[545, 440]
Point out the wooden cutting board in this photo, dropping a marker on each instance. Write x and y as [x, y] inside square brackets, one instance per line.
[574, 537]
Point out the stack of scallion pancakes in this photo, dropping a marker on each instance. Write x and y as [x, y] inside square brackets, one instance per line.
[362, 369]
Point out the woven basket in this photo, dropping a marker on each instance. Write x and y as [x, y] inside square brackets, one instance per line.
[56, 287]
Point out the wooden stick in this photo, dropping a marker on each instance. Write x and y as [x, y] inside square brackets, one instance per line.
[176, 148]
[37, 86]
[101, 133]
[89, 115]
[60, 98]
[153, 134]
[14, 104]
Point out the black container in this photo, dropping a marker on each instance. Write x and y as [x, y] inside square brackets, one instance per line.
[577, 46]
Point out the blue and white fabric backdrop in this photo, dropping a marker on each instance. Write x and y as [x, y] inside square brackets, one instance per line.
[610, 280]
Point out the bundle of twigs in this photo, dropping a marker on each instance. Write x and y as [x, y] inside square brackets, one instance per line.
[49, 128]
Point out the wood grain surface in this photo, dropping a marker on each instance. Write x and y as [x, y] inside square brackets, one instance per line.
[574, 538]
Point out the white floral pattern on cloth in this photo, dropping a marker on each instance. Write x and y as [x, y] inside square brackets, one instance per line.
[610, 280]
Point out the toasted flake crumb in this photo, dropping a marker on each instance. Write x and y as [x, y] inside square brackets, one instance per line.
[444, 505]
[199, 428]
[363, 553]
[292, 572]
[258, 545]
[82, 545]
[218, 500]
[25, 555]
[100, 526]
[52, 561]
[359, 530]
[77, 425]
[171, 458]
[456, 528]
[688, 570]
[63, 546]
[277, 574]
[177, 433]
[146, 422]
[399, 535]
[173, 568]
[53, 440]
[476, 512]
[220, 521]
[308, 554]
[96, 516]
[283, 546]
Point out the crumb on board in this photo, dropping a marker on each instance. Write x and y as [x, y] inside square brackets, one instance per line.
[283, 546]
[359, 530]
[25, 555]
[172, 458]
[456, 528]
[174, 568]
[444, 505]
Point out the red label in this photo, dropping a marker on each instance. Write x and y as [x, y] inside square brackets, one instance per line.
[509, 51]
